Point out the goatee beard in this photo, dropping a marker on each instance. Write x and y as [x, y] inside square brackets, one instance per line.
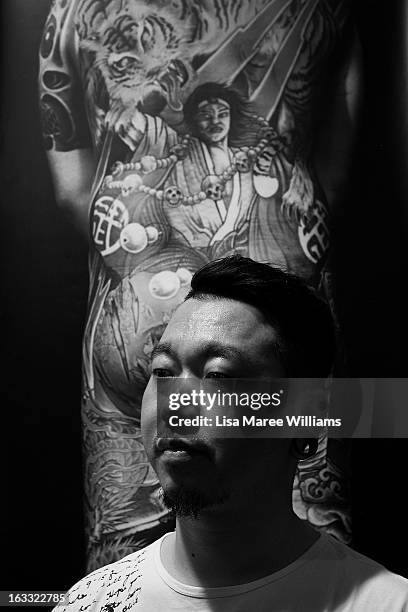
[190, 503]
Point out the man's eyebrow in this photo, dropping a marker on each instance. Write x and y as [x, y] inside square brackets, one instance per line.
[207, 350]
[163, 348]
[220, 350]
[215, 349]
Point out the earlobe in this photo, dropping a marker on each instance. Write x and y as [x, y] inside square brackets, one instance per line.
[304, 448]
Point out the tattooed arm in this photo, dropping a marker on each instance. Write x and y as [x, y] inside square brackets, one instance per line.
[65, 128]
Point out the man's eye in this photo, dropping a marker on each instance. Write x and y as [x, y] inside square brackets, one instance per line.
[216, 375]
[161, 372]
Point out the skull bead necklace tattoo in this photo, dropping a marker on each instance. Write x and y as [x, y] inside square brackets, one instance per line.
[212, 185]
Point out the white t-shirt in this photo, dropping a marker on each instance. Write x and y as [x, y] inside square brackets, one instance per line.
[329, 577]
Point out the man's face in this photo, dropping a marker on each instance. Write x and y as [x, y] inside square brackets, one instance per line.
[213, 339]
[213, 120]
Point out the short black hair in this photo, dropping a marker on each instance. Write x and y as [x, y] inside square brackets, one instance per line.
[306, 342]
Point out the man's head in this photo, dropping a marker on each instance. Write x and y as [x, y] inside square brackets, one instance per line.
[302, 322]
[241, 319]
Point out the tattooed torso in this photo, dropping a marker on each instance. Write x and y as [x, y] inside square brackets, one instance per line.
[201, 114]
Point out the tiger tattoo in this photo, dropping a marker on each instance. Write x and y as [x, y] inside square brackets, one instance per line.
[145, 54]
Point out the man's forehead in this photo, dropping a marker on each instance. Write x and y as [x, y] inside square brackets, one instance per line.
[204, 317]
[213, 102]
[224, 327]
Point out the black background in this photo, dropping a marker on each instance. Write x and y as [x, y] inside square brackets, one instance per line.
[44, 279]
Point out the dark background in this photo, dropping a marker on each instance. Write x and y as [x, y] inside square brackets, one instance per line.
[44, 279]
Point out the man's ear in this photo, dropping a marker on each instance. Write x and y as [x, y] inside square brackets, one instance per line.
[308, 397]
[316, 401]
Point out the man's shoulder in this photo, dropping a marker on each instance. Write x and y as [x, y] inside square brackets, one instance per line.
[368, 579]
[118, 581]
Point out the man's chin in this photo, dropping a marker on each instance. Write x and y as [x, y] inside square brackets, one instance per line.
[191, 502]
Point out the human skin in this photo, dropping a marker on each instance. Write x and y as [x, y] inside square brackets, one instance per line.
[247, 483]
[114, 77]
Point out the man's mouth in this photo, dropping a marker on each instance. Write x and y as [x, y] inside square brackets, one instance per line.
[182, 448]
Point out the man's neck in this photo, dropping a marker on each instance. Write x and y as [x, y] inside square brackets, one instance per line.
[223, 550]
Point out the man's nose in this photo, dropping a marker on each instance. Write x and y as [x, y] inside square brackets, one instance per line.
[187, 373]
